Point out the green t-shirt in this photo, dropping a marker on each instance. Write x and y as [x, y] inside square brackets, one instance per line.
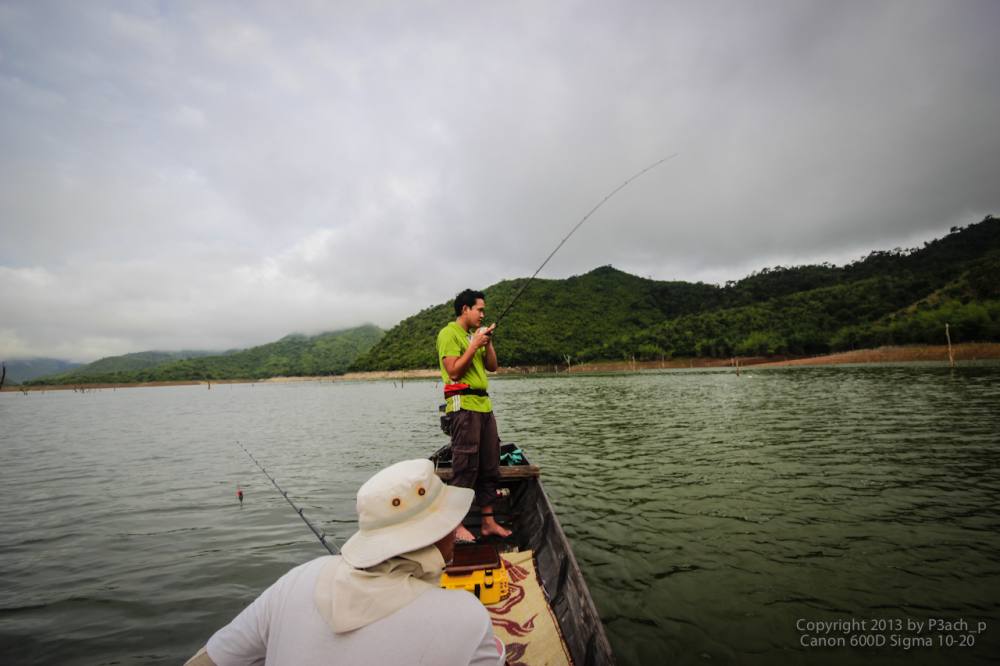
[453, 340]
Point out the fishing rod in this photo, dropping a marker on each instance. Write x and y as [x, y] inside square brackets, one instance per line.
[320, 535]
[573, 231]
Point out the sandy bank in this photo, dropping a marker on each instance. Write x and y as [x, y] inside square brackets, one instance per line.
[972, 351]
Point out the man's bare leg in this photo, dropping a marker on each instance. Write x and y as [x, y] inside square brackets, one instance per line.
[491, 527]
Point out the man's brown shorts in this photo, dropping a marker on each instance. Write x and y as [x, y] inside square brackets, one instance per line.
[475, 454]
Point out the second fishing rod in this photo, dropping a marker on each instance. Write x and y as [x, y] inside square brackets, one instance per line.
[332, 549]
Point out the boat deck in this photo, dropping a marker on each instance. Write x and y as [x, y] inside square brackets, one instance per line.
[524, 508]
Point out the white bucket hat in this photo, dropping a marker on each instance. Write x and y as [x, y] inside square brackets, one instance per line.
[402, 508]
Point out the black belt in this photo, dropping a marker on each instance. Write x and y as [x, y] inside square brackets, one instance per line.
[467, 391]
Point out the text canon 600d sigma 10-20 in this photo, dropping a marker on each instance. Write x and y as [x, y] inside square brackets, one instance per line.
[906, 633]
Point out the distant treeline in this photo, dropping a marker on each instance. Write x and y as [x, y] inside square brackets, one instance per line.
[889, 297]
[21, 370]
[293, 355]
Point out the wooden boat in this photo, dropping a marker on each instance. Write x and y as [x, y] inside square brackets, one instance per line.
[524, 508]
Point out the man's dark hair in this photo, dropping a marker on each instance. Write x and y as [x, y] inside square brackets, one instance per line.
[467, 298]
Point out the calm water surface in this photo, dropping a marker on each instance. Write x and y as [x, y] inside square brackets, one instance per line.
[711, 514]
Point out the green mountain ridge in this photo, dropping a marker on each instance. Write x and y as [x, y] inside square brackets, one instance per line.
[607, 314]
[136, 361]
[293, 355]
[888, 297]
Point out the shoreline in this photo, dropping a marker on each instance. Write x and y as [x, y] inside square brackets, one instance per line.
[969, 351]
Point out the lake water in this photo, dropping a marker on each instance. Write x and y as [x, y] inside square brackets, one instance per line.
[716, 518]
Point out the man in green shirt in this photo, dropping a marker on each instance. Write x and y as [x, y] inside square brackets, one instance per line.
[466, 353]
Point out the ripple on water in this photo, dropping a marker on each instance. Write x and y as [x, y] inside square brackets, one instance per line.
[708, 512]
[726, 509]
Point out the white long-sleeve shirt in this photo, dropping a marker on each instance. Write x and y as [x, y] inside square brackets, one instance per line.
[283, 626]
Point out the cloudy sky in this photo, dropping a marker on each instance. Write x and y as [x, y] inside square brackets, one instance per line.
[214, 175]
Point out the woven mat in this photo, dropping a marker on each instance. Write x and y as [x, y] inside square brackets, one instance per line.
[524, 621]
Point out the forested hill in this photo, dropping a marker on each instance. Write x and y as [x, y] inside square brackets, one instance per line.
[552, 318]
[136, 361]
[889, 297]
[294, 355]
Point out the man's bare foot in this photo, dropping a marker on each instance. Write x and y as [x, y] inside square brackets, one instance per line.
[464, 535]
[491, 527]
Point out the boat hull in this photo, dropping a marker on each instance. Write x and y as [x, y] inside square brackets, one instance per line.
[524, 508]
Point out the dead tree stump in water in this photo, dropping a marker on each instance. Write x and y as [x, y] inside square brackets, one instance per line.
[951, 355]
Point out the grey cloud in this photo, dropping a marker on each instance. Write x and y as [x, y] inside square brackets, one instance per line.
[222, 174]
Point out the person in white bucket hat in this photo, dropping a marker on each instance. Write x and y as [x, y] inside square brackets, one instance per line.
[378, 602]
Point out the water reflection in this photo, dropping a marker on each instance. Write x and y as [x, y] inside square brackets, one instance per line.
[708, 512]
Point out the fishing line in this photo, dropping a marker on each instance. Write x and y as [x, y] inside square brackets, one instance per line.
[578, 225]
[319, 535]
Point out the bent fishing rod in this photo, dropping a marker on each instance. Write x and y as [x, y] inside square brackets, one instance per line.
[573, 231]
[320, 535]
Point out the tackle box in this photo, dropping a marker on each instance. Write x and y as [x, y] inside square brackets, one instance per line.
[478, 569]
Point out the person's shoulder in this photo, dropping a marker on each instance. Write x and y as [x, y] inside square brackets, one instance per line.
[317, 563]
[306, 569]
[460, 607]
[450, 333]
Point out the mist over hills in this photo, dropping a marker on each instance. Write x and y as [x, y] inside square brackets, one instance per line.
[25, 369]
[137, 361]
[897, 296]
[293, 355]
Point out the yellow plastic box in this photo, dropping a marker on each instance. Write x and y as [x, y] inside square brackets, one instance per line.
[478, 569]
